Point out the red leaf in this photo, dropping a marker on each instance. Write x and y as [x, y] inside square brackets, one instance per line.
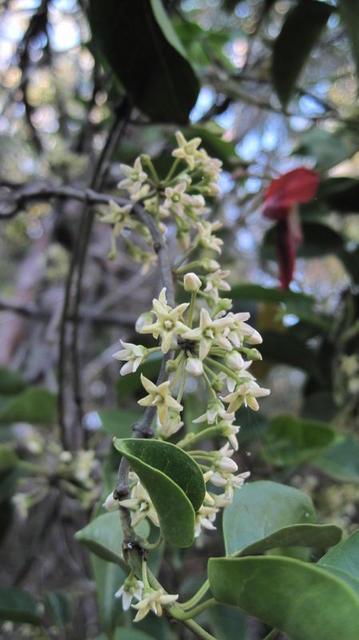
[294, 187]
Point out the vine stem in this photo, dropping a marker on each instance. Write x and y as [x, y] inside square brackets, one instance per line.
[196, 597]
[198, 630]
[272, 635]
[181, 615]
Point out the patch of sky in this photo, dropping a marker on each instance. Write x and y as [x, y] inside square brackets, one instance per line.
[310, 106]
[249, 147]
[289, 320]
[269, 140]
[245, 241]
[226, 119]
[204, 102]
[226, 183]
[299, 123]
[253, 185]
[64, 35]
[242, 10]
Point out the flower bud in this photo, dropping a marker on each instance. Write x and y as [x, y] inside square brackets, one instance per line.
[235, 360]
[210, 265]
[194, 366]
[110, 503]
[191, 282]
[252, 354]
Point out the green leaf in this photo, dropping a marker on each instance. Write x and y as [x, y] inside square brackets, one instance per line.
[340, 194]
[297, 303]
[19, 606]
[343, 560]
[128, 385]
[328, 148]
[300, 32]
[174, 482]
[300, 599]
[348, 10]
[259, 509]
[34, 405]
[131, 634]
[145, 53]
[299, 535]
[58, 605]
[10, 382]
[228, 623]
[341, 460]
[287, 349]
[8, 458]
[118, 422]
[290, 440]
[108, 578]
[103, 536]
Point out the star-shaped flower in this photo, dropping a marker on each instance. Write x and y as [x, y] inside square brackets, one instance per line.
[153, 600]
[168, 323]
[160, 397]
[187, 149]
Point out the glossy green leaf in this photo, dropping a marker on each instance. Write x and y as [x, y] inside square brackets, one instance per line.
[300, 32]
[118, 422]
[34, 405]
[174, 482]
[341, 460]
[290, 440]
[145, 53]
[343, 560]
[10, 381]
[259, 509]
[103, 536]
[303, 600]
[297, 303]
[19, 606]
[320, 536]
[348, 10]
[228, 623]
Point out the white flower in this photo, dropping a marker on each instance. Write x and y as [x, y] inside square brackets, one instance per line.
[246, 393]
[214, 411]
[187, 150]
[206, 236]
[168, 323]
[223, 460]
[141, 503]
[153, 600]
[215, 283]
[117, 215]
[135, 177]
[191, 282]
[205, 518]
[194, 366]
[242, 332]
[131, 588]
[171, 426]
[133, 354]
[160, 397]
[110, 503]
[209, 332]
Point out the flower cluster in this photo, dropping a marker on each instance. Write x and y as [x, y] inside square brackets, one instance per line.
[201, 338]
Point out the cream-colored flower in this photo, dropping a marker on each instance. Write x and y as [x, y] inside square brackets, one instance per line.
[207, 238]
[134, 177]
[247, 394]
[215, 283]
[171, 426]
[209, 332]
[141, 504]
[194, 366]
[153, 600]
[168, 323]
[160, 397]
[110, 503]
[133, 354]
[117, 215]
[215, 411]
[131, 588]
[241, 331]
[187, 149]
[191, 282]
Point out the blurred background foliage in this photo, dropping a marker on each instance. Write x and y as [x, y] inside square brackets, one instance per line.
[268, 86]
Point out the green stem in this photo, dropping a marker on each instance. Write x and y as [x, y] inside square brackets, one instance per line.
[226, 370]
[144, 574]
[191, 308]
[181, 389]
[179, 614]
[210, 388]
[171, 171]
[185, 256]
[197, 596]
[198, 630]
[272, 635]
[179, 369]
[191, 438]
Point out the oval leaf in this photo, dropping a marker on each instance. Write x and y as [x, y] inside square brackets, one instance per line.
[103, 536]
[261, 508]
[343, 560]
[300, 32]
[19, 606]
[145, 53]
[300, 599]
[33, 405]
[174, 482]
[290, 440]
[299, 535]
[341, 460]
